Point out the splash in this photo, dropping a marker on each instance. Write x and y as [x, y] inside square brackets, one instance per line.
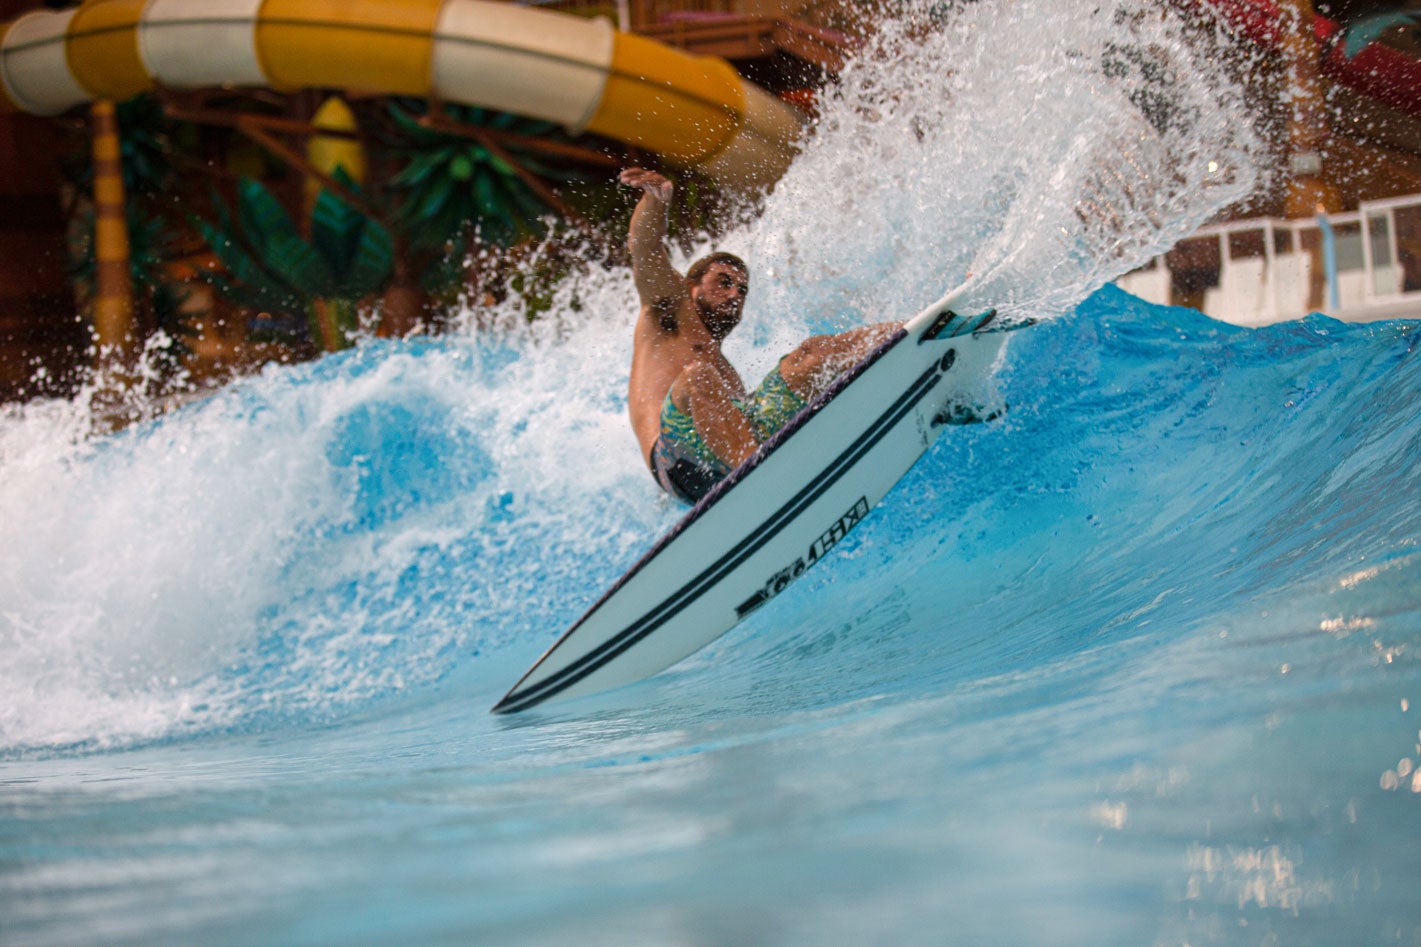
[326, 536]
[1041, 149]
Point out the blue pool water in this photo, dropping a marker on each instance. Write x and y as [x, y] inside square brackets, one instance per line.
[1136, 664]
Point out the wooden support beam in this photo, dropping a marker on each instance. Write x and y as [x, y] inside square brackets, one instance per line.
[440, 121]
[1309, 191]
[749, 37]
[260, 128]
[113, 296]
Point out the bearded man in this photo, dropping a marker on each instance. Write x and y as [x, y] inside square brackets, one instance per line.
[689, 408]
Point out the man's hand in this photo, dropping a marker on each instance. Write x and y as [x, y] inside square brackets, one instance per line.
[649, 182]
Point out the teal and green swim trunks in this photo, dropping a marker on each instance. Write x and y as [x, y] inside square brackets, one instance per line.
[770, 406]
[684, 464]
[681, 461]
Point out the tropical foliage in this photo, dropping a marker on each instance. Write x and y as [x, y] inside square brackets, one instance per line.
[301, 285]
[453, 186]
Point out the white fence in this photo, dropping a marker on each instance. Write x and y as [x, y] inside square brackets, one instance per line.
[1357, 267]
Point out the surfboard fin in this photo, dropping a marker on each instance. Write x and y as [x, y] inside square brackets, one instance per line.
[950, 325]
[958, 413]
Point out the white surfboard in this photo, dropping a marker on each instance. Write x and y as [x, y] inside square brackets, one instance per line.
[781, 511]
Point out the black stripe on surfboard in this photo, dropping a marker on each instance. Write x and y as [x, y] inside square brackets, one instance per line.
[695, 588]
[670, 607]
[718, 492]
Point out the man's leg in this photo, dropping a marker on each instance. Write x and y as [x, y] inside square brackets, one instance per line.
[819, 359]
[703, 393]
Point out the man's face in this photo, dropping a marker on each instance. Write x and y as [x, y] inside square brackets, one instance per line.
[720, 295]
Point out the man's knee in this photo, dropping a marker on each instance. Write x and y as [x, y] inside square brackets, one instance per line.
[698, 383]
[806, 357]
[700, 378]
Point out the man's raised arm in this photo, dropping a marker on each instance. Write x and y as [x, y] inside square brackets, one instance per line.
[657, 282]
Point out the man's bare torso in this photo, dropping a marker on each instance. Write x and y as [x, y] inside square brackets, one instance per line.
[659, 356]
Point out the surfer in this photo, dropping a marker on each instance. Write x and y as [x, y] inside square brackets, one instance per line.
[688, 405]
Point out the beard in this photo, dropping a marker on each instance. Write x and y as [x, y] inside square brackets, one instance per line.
[719, 320]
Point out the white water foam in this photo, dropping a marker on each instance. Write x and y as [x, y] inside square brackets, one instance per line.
[254, 555]
[1042, 148]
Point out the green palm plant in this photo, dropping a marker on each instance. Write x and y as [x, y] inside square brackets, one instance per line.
[313, 285]
[452, 185]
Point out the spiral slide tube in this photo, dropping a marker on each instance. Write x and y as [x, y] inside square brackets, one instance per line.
[1385, 74]
[695, 111]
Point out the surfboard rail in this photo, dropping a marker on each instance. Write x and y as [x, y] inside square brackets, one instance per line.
[778, 513]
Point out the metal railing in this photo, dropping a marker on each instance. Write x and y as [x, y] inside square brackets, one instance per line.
[1356, 266]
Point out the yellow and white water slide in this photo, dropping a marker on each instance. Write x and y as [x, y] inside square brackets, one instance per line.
[695, 111]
